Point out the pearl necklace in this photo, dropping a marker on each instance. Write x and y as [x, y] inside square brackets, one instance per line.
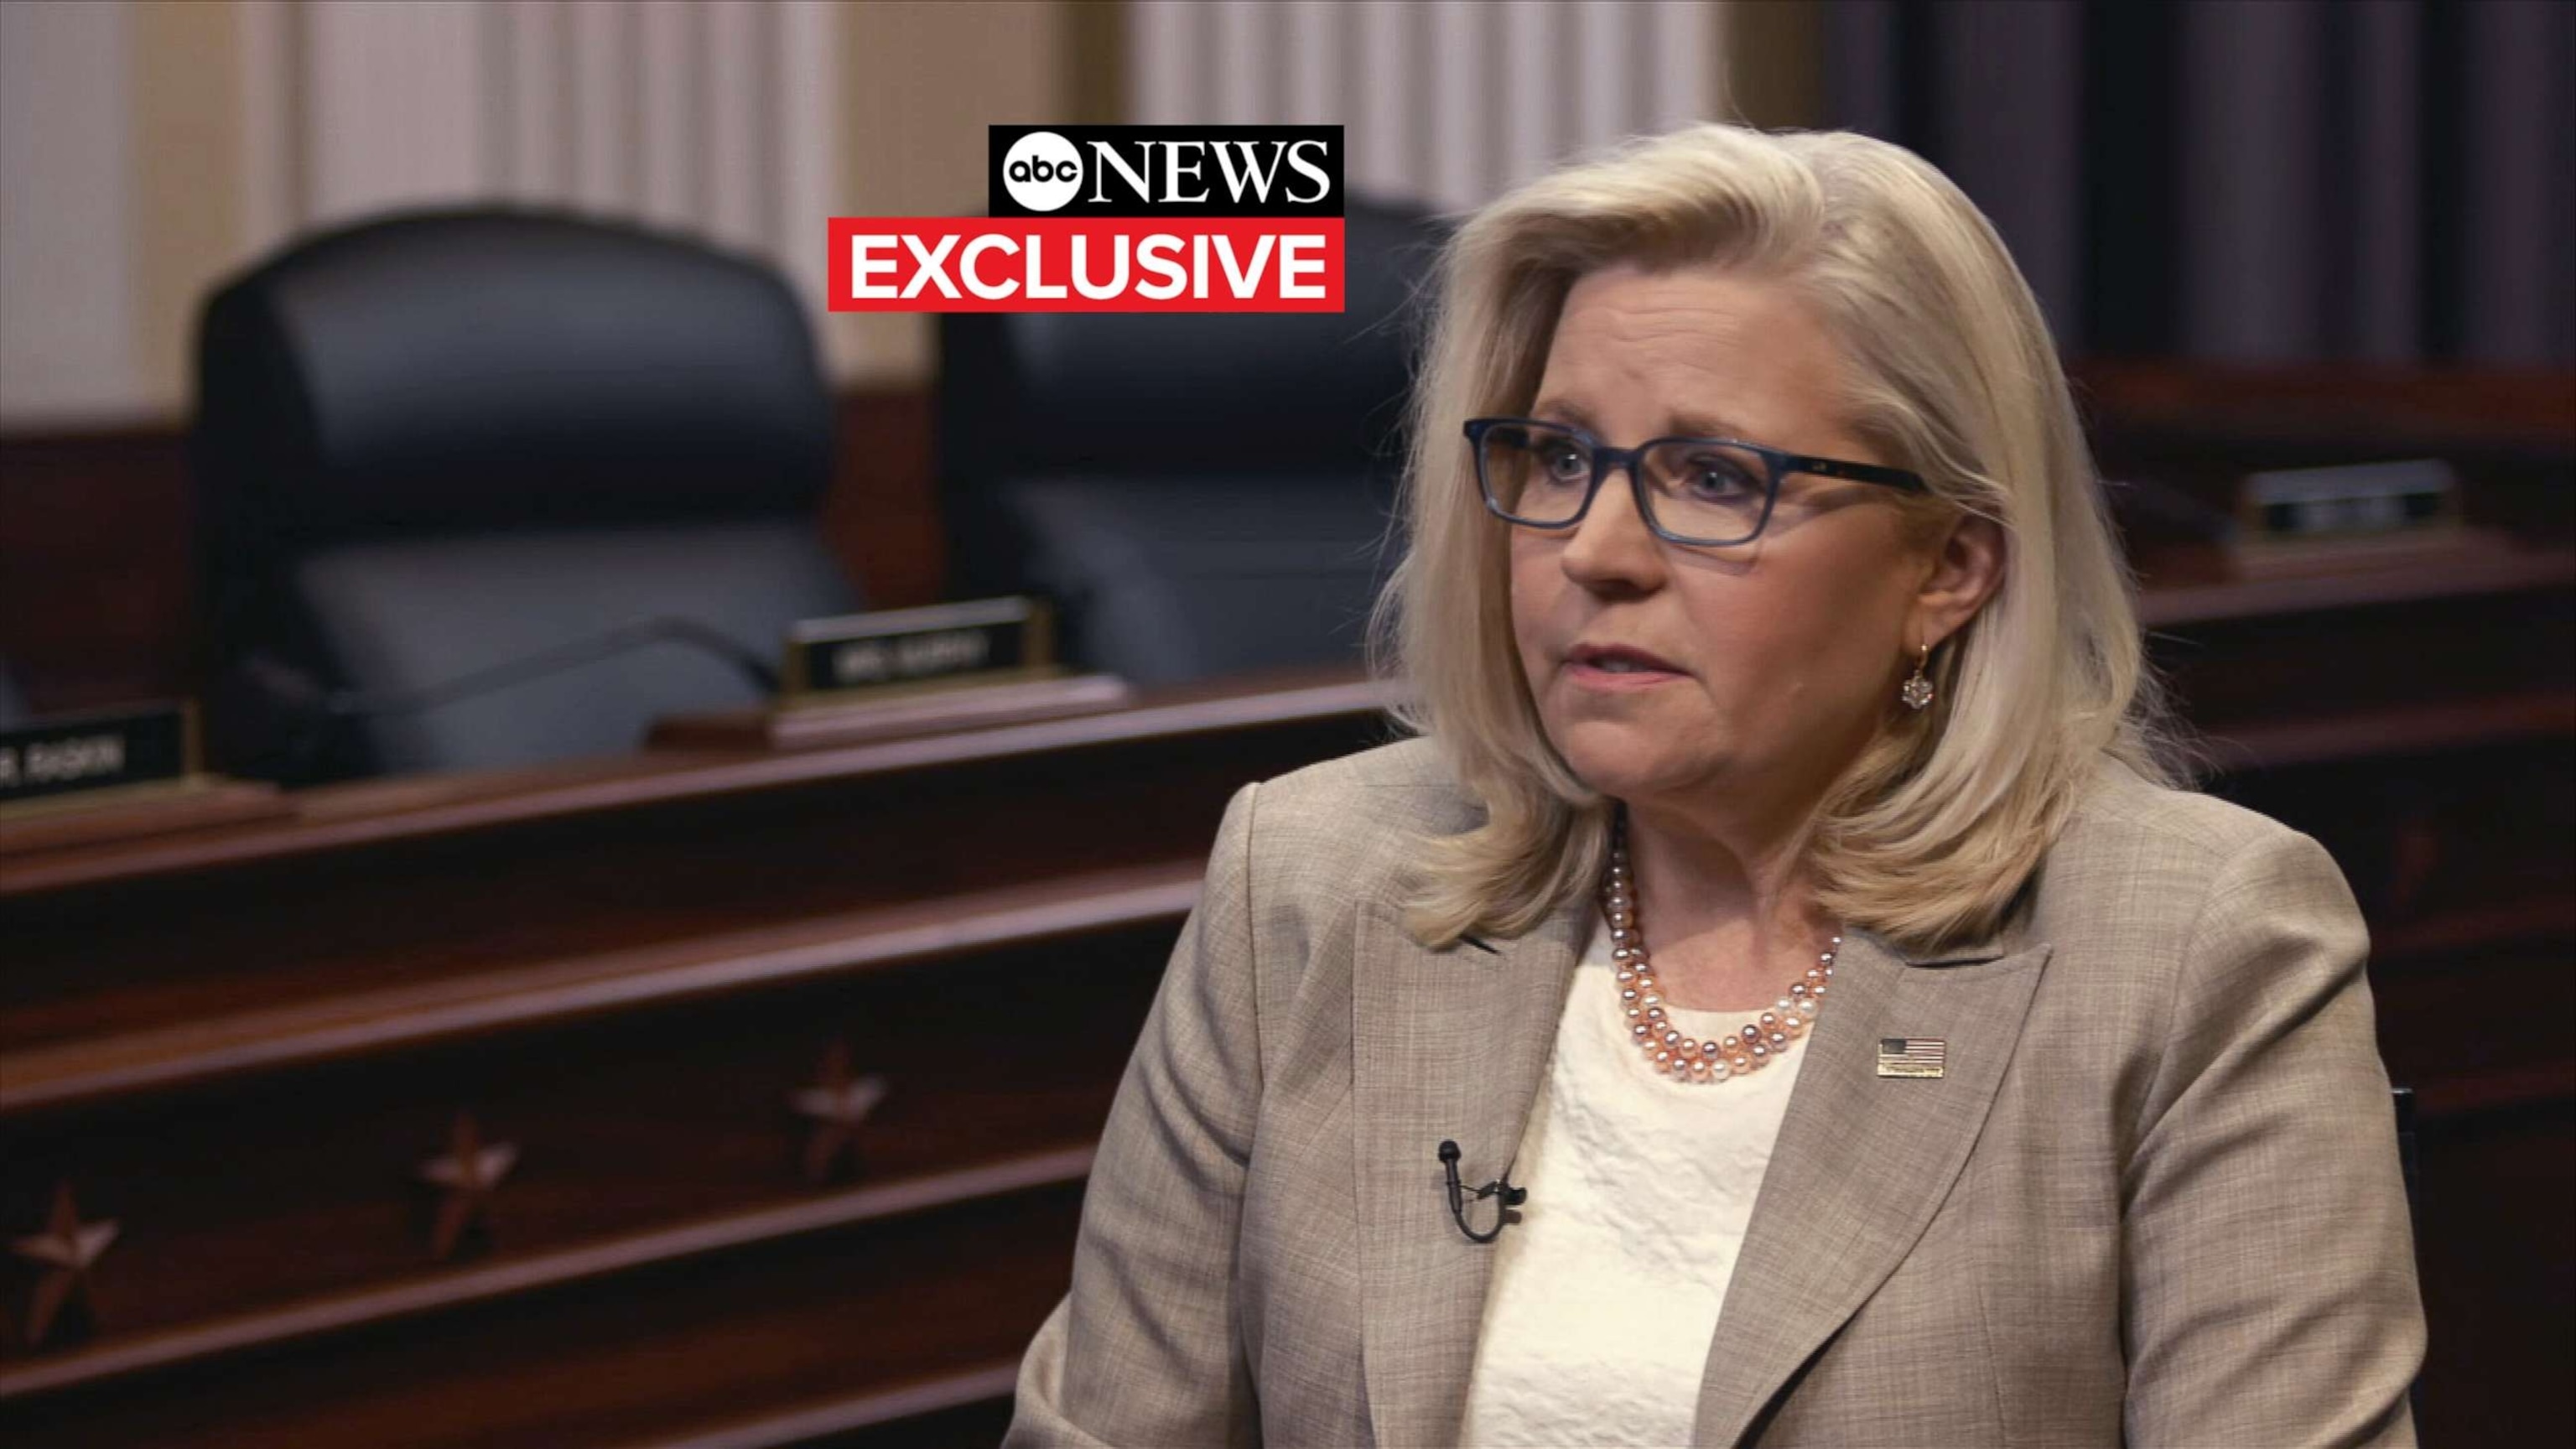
[1641, 996]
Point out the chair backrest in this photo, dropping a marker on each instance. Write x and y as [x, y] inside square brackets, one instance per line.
[436, 442]
[1137, 395]
[1202, 492]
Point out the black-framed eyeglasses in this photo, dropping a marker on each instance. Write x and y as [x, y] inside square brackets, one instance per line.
[1704, 492]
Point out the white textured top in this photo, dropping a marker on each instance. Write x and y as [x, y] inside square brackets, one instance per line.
[1605, 1292]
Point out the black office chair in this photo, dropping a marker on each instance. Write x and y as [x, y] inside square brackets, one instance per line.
[492, 487]
[1201, 494]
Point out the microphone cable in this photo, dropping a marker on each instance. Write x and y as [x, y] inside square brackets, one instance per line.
[1512, 1197]
[350, 704]
[314, 719]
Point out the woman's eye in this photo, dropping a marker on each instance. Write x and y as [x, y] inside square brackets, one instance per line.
[1718, 477]
[1564, 462]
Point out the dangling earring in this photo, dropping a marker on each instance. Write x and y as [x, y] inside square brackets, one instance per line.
[1917, 692]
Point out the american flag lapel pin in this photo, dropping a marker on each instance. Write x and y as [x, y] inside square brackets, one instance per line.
[1912, 1056]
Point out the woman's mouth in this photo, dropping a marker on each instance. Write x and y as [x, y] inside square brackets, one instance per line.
[1615, 667]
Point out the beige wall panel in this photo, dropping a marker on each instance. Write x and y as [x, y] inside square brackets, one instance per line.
[738, 153]
[398, 106]
[921, 81]
[67, 297]
[268, 172]
[188, 128]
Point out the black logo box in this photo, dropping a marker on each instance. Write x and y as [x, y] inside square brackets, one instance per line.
[1141, 144]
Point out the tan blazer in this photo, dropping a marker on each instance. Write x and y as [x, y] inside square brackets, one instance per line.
[2153, 1199]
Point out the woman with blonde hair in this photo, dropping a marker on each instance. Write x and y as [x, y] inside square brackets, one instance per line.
[1782, 996]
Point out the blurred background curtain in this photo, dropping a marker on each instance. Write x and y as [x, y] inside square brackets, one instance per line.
[2385, 181]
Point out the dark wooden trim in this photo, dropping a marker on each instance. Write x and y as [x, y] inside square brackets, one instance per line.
[96, 567]
[2460, 932]
[2410, 729]
[2182, 599]
[2503, 1090]
[859, 1411]
[2484, 408]
[648, 1354]
[85, 1072]
[415, 807]
[126, 812]
[121, 1357]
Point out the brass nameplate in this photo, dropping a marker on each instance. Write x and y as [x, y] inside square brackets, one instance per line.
[102, 750]
[943, 643]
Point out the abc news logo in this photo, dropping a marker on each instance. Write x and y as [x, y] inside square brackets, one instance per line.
[1165, 171]
[1117, 219]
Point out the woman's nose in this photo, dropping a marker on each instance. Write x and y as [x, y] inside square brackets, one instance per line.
[1613, 544]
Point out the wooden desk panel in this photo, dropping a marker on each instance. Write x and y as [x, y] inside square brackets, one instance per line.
[1257, 715]
[289, 1205]
[711, 860]
[2474, 827]
[2491, 1240]
[858, 1326]
[2377, 656]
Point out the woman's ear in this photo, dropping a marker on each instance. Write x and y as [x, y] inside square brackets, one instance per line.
[1967, 566]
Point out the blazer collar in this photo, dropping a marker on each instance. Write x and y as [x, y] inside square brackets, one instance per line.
[1862, 1160]
[1453, 1044]
[1445, 1046]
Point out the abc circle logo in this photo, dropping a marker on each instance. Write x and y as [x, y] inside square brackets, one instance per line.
[1042, 171]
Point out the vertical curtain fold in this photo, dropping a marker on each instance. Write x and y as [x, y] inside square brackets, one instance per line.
[2388, 181]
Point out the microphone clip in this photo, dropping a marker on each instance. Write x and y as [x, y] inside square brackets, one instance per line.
[1459, 1195]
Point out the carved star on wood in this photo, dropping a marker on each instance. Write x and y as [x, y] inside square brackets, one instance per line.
[838, 1103]
[469, 1172]
[66, 1249]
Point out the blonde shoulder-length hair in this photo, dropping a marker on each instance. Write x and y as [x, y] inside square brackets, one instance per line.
[1933, 830]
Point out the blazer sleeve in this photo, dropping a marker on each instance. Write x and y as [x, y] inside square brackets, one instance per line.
[2269, 1258]
[1143, 1350]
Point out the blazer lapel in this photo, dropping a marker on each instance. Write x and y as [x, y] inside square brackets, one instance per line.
[1444, 1045]
[1862, 1160]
